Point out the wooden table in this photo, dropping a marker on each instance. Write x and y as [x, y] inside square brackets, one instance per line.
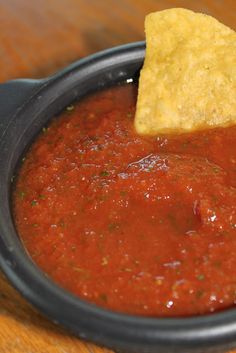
[38, 37]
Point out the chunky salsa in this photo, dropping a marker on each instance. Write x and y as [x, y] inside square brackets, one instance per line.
[141, 225]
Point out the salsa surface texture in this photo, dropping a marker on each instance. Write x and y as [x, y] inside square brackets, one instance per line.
[141, 225]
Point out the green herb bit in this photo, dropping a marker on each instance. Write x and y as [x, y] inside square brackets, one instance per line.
[42, 197]
[201, 277]
[84, 274]
[129, 115]
[199, 294]
[142, 236]
[185, 144]
[35, 225]
[113, 226]
[103, 297]
[123, 193]
[70, 108]
[216, 170]
[62, 224]
[104, 173]
[22, 195]
[34, 203]
[217, 264]
[172, 220]
[214, 198]
[102, 198]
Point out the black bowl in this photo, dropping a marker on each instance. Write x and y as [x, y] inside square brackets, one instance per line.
[25, 107]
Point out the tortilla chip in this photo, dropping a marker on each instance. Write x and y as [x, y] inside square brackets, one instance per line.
[188, 81]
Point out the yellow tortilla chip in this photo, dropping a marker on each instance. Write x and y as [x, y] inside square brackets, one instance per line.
[188, 81]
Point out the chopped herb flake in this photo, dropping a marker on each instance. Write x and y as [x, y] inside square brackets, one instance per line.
[113, 226]
[201, 277]
[22, 195]
[123, 193]
[104, 173]
[103, 297]
[199, 294]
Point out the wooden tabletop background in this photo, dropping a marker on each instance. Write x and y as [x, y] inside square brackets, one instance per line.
[38, 37]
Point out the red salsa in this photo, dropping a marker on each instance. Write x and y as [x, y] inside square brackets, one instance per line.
[141, 225]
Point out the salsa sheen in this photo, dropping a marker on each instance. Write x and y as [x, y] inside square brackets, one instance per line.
[142, 225]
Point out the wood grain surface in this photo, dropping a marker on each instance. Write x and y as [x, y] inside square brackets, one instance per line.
[38, 37]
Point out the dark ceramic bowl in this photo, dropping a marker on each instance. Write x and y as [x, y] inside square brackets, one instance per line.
[25, 107]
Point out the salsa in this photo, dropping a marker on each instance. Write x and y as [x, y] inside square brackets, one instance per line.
[141, 225]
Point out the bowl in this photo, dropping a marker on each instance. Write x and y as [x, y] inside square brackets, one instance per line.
[25, 107]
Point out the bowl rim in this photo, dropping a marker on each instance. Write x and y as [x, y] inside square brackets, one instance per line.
[87, 320]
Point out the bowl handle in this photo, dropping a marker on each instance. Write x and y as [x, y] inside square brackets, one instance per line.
[13, 95]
